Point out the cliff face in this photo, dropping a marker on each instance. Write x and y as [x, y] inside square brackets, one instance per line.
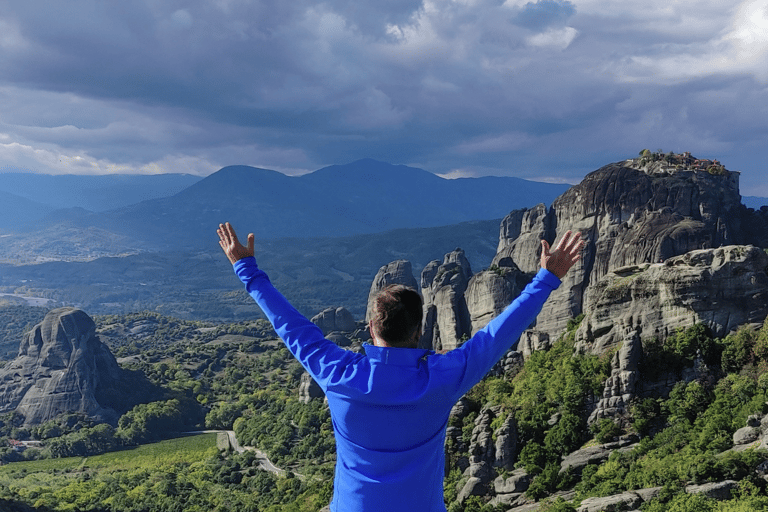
[721, 288]
[446, 316]
[630, 216]
[61, 367]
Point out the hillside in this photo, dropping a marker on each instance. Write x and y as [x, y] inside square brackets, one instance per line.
[358, 198]
[95, 193]
[313, 273]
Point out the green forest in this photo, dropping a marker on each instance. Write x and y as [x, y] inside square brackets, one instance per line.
[239, 376]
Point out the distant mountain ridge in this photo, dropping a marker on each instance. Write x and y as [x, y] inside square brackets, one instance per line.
[95, 193]
[366, 196]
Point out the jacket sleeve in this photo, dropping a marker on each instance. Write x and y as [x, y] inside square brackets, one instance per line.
[485, 348]
[323, 359]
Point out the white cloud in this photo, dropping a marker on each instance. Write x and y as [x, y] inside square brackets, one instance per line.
[556, 38]
[503, 142]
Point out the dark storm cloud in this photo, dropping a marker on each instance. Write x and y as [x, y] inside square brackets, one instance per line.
[537, 89]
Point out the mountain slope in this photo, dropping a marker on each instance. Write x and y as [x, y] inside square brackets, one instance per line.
[96, 193]
[361, 197]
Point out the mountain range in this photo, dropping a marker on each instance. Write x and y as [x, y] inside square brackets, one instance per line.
[365, 196]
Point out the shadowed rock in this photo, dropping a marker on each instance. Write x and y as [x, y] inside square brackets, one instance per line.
[335, 319]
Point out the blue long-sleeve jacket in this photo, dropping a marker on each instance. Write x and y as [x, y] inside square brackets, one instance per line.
[390, 406]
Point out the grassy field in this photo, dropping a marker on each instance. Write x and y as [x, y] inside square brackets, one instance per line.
[55, 473]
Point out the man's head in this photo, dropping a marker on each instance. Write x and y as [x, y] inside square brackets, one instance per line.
[396, 317]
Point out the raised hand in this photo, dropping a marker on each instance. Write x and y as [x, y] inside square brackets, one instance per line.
[567, 252]
[231, 246]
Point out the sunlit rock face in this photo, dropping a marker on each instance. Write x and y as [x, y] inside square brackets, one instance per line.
[722, 288]
[446, 321]
[629, 216]
[62, 367]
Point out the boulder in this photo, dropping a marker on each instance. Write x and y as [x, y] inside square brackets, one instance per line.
[473, 487]
[517, 482]
[615, 503]
[309, 389]
[334, 319]
[714, 490]
[746, 435]
[594, 454]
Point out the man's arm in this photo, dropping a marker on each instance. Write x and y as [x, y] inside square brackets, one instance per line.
[321, 358]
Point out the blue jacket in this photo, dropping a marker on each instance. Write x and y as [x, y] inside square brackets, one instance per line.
[390, 406]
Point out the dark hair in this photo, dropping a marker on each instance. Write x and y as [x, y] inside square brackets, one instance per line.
[396, 315]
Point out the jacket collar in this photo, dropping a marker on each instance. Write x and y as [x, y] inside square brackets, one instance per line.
[392, 355]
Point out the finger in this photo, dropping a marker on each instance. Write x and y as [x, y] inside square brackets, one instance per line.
[251, 239]
[222, 232]
[575, 243]
[564, 241]
[545, 248]
[231, 233]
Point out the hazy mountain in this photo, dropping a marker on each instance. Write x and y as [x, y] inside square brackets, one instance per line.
[15, 209]
[362, 197]
[95, 193]
[754, 202]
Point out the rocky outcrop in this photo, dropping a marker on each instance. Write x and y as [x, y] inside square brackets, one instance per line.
[624, 501]
[628, 216]
[521, 244]
[62, 367]
[490, 292]
[309, 389]
[334, 319]
[576, 461]
[490, 451]
[723, 288]
[396, 272]
[446, 321]
[620, 386]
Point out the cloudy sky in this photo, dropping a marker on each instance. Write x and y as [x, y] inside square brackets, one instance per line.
[546, 90]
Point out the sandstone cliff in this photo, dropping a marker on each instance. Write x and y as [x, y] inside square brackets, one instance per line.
[62, 367]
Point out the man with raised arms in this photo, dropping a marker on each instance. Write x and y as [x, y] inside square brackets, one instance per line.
[390, 404]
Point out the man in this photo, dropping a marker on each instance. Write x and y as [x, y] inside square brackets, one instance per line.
[390, 405]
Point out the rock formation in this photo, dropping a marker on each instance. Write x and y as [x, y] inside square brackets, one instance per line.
[446, 321]
[335, 319]
[722, 288]
[396, 272]
[489, 292]
[629, 214]
[62, 366]
[309, 389]
[620, 386]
